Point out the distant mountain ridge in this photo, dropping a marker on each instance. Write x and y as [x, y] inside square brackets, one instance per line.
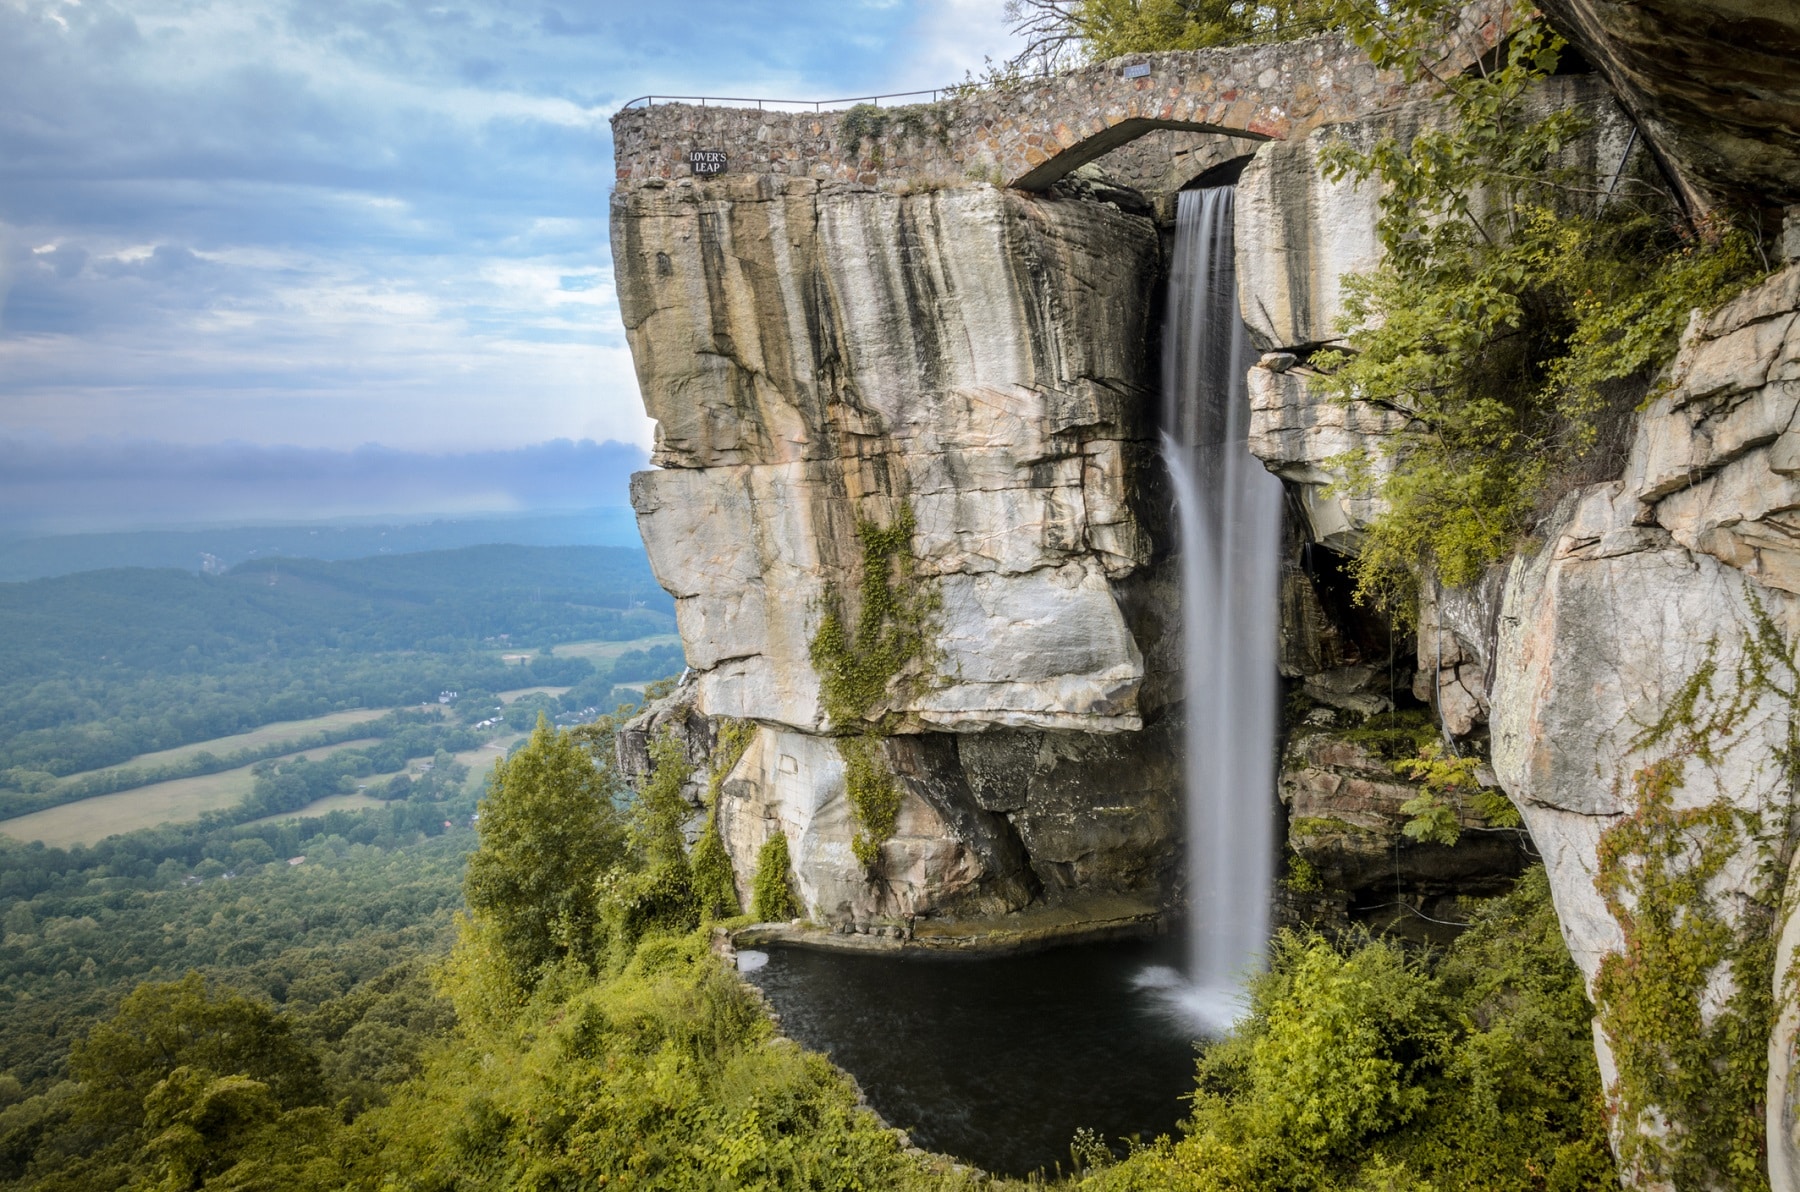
[219, 548]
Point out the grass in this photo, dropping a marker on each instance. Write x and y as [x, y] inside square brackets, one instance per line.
[89, 820]
[256, 738]
[352, 802]
[598, 652]
[507, 697]
[480, 761]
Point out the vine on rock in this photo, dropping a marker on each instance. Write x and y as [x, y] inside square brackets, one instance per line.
[772, 898]
[715, 884]
[1520, 313]
[1688, 1004]
[857, 670]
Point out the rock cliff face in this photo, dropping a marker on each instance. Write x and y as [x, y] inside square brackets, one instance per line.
[822, 360]
[828, 360]
[1711, 81]
[1687, 567]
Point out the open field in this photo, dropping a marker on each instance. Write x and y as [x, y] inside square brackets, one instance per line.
[351, 802]
[480, 761]
[604, 652]
[86, 821]
[507, 697]
[89, 820]
[256, 738]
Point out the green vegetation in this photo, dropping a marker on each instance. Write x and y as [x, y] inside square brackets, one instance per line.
[773, 897]
[873, 793]
[1518, 315]
[316, 979]
[226, 753]
[1362, 1066]
[549, 830]
[1681, 1057]
[101, 667]
[1057, 30]
[1444, 777]
[586, 1037]
[715, 884]
[857, 673]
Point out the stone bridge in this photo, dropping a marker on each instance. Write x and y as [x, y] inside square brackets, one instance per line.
[1028, 136]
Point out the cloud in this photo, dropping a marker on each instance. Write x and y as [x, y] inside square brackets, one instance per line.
[326, 222]
[52, 487]
[950, 40]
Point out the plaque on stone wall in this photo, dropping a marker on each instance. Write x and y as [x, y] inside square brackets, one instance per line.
[707, 161]
[1138, 70]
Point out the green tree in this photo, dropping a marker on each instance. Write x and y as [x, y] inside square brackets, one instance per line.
[1519, 313]
[163, 1026]
[1058, 32]
[549, 829]
[773, 892]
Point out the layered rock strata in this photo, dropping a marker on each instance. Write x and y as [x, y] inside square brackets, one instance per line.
[824, 360]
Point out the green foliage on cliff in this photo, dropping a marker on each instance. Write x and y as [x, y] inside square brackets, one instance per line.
[773, 897]
[856, 669]
[857, 672]
[715, 884]
[1681, 1055]
[1519, 314]
[1361, 1066]
[1057, 30]
[1676, 1061]
[874, 795]
[1445, 778]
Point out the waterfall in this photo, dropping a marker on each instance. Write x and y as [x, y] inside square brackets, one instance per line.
[1228, 512]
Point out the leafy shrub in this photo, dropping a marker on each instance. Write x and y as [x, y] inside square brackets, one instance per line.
[1515, 320]
[1360, 1066]
[773, 897]
[549, 829]
[666, 1075]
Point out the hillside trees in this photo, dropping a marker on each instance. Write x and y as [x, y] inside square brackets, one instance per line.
[550, 827]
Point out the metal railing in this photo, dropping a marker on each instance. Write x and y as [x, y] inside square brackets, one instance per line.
[817, 105]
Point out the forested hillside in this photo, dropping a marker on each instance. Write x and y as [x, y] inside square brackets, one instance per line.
[216, 547]
[99, 667]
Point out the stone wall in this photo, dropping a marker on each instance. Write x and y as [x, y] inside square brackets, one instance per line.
[1030, 134]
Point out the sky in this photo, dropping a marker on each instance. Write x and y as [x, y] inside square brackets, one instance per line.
[327, 224]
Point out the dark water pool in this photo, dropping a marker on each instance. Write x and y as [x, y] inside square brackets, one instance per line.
[996, 1061]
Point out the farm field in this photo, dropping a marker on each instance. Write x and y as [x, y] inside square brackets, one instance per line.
[87, 821]
[256, 738]
[351, 802]
[480, 761]
[598, 652]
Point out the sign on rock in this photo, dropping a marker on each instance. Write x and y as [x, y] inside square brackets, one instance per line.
[707, 161]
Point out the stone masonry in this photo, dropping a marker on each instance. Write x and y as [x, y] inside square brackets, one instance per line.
[1027, 136]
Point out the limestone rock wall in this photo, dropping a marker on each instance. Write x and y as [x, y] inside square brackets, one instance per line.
[824, 357]
[1565, 656]
[1711, 81]
[816, 359]
[1571, 651]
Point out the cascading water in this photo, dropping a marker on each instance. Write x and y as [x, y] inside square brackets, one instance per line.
[1228, 510]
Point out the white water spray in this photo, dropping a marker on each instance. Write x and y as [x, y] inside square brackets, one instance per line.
[1228, 511]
